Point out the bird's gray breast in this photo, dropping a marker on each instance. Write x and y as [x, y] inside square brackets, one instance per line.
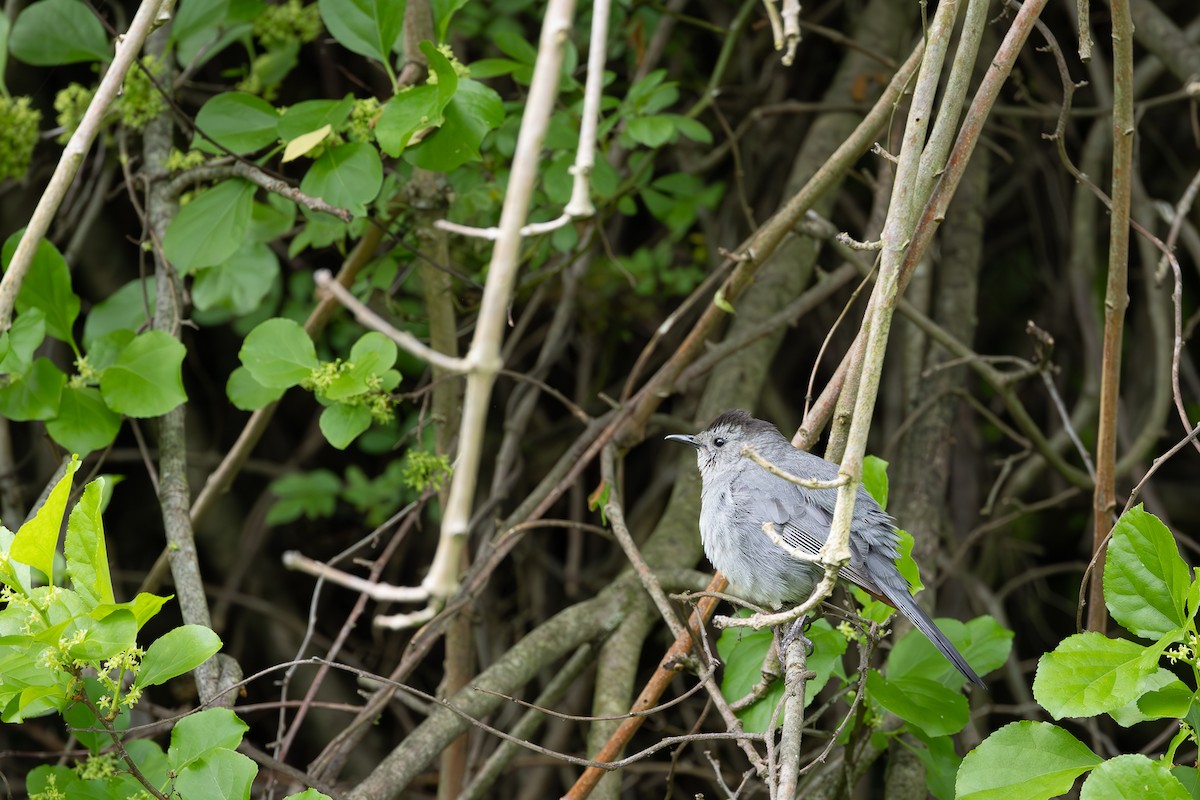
[731, 531]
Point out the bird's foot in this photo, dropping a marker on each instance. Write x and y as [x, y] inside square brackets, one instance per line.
[790, 633]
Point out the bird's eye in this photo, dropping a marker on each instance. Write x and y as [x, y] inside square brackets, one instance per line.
[719, 441]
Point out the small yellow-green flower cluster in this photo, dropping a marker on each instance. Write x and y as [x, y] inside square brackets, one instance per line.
[321, 378]
[51, 792]
[141, 100]
[179, 161]
[360, 127]
[851, 633]
[1184, 651]
[287, 23]
[460, 69]
[18, 135]
[99, 766]
[374, 399]
[70, 104]
[422, 469]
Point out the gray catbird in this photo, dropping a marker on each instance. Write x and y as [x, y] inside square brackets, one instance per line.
[738, 496]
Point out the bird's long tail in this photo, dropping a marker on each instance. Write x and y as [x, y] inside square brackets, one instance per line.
[907, 605]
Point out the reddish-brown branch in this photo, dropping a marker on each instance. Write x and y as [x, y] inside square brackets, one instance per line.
[1116, 299]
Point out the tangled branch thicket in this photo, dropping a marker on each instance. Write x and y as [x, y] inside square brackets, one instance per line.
[916, 241]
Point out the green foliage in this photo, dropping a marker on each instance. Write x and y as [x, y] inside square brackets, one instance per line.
[73, 650]
[308, 494]
[141, 100]
[50, 33]
[367, 27]
[18, 135]
[290, 22]
[210, 228]
[875, 480]
[278, 354]
[743, 651]
[1148, 590]
[315, 494]
[71, 630]
[122, 373]
[236, 121]
[348, 176]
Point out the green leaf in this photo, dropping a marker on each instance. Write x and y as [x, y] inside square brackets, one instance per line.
[348, 177]
[239, 285]
[412, 110]
[47, 286]
[907, 564]
[84, 423]
[128, 309]
[419, 108]
[13, 573]
[367, 27]
[4, 32]
[475, 110]
[220, 773]
[35, 541]
[743, 651]
[342, 423]
[19, 342]
[1193, 598]
[108, 348]
[35, 395]
[374, 352]
[278, 353]
[1024, 761]
[983, 641]
[443, 10]
[1132, 776]
[272, 219]
[196, 26]
[83, 723]
[1161, 695]
[309, 793]
[921, 702]
[239, 122]
[106, 637]
[875, 479]
[147, 378]
[371, 357]
[310, 494]
[941, 764]
[1189, 777]
[197, 735]
[1145, 581]
[53, 32]
[1089, 674]
[212, 227]
[311, 115]
[652, 131]
[143, 607]
[248, 394]
[87, 558]
[691, 128]
[176, 652]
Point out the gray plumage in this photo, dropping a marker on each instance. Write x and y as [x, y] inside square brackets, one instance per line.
[738, 496]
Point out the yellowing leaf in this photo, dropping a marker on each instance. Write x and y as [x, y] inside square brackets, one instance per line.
[305, 142]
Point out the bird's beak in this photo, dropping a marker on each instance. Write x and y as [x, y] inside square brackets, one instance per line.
[685, 438]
